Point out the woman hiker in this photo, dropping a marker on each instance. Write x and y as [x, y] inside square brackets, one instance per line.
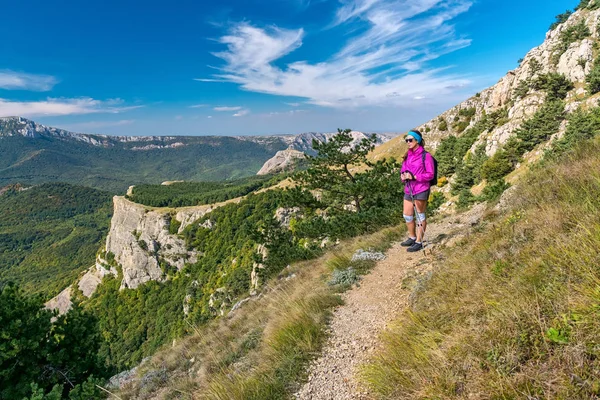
[416, 173]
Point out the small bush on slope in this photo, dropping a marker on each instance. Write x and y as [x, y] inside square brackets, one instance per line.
[513, 312]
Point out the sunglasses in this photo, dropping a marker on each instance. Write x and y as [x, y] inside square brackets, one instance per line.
[409, 140]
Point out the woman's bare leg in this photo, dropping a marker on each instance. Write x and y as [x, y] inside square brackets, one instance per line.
[411, 226]
[421, 208]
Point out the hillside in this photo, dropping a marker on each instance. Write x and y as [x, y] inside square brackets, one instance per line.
[49, 234]
[518, 132]
[265, 296]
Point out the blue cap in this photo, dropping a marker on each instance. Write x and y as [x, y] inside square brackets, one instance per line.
[415, 135]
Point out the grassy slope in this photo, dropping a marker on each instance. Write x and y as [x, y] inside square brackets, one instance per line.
[395, 148]
[515, 311]
[262, 351]
[45, 159]
[49, 233]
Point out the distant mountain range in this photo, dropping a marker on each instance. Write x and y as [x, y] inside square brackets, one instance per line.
[32, 153]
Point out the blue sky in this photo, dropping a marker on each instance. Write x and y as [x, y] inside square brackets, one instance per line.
[256, 67]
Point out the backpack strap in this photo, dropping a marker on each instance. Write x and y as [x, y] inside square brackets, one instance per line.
[423, 158]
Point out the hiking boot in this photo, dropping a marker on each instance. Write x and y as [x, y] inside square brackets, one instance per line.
[415, 247]
[408, 242]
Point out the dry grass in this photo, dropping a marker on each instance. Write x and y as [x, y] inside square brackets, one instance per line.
[514, 312]
[262, 350]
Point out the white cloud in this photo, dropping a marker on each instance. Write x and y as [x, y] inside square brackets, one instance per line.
[61, 106]
[210, 116]
[12, 80]
[209, 80]
[198, 106]
[291, 112]
[227, 108]
[293, 104]
[241, 113]
[384, 63]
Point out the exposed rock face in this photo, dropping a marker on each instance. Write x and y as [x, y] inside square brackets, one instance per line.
[285, 215]
[575, 63]
[62, 302]
[284, 160]
[93, 277]
[140, 239]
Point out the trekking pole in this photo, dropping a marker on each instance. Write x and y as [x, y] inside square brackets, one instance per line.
[419, 222]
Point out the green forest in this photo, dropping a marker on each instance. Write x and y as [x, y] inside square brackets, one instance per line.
[183, 194]
[114, 168]
[50, 233]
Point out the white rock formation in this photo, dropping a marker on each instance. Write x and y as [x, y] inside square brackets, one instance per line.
[62, 302]
[284, 160]
[139, 237]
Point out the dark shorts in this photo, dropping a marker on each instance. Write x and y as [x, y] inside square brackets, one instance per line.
[418, 196]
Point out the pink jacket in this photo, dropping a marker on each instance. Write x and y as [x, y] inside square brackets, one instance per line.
[423, 172]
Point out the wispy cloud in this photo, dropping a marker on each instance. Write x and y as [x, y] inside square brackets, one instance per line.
[209, 80]
[383, 63]
[241, 113]
[198, 106]
[291, 112]
[227, 108]
[12, 80]
[293, 104]
[62, 106]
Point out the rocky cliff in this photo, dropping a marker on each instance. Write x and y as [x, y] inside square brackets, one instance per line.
[141, 242]
[284, 160]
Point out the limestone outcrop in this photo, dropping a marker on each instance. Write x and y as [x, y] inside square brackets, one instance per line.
[140, 241]
[284, 160]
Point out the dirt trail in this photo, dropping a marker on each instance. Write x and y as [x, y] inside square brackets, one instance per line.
[369, 308]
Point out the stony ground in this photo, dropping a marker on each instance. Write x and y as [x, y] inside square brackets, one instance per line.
[370, 307]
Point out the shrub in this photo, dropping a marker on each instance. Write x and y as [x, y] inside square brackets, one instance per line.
[465, 178]
[497, 167]
[494, 190]
[443, 126]
[561, 18]
[465, 199]
[460, 126]
[593, 78]
[535, 66]
[544, 123]
[522, 89]
[582, 125]
[344, 277]
[467, 112]
[555, 85]
[495, 119]
[174, 225]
